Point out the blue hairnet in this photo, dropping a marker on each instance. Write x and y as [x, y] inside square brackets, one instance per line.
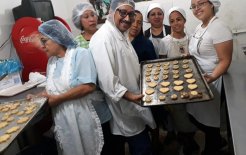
[57, 32]
[116, 4]
[78, 10]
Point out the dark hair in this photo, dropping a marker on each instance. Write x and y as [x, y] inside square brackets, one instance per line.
[141, 31]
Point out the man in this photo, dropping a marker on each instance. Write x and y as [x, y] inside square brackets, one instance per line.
[118, 73]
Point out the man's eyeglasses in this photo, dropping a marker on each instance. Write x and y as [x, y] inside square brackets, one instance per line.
[43, 41]
[199, 5]
[123, 13]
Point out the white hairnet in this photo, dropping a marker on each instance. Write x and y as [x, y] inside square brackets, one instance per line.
[216, 4]
[180, 10]
[151, 7]
[56, 31]
[78, 10]
[115, 4]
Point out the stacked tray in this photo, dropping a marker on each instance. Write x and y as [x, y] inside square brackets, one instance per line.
[15, 115]
[173, 81]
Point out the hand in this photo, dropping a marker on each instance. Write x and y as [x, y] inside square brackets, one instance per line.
[209, 78]
[30, 96]
[136, 98]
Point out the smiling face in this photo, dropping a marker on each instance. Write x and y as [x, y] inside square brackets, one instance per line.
[202, 9]
[136, 25]
[156, 17]
[89, 21]
[123, 18]
[177, 22]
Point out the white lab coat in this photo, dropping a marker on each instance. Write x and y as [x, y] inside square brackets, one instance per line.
[77, 127]
[118, 71]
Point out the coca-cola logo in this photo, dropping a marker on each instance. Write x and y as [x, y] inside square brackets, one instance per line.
[27, 39]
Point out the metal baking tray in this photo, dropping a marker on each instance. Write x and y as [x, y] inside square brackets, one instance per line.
[204, 92]
[39, 102]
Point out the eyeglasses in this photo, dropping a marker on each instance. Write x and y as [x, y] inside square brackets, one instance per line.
[123, 13]
[43, 41]
[199, 5]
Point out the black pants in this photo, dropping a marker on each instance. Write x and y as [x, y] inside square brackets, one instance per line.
[213, 139]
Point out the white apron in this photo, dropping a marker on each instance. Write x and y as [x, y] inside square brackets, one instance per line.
[159, 47]
[207, 113]
[77, 126]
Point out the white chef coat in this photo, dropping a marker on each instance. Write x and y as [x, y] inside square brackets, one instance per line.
[118, 71]
[208, 113]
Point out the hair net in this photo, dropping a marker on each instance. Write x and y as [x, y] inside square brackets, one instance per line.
[57, 32]
[115, 4]
[78, 10]
[151, 7]
[216, 4]
[180, 10]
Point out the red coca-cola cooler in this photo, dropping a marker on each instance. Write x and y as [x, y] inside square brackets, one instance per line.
[25, 40]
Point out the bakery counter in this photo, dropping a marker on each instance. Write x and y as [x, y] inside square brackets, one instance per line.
[235, 92]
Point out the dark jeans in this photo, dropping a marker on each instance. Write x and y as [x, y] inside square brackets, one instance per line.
[138, 145]
[108, 139]
[213, 139]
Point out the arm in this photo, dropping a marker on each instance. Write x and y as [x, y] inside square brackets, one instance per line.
[74, 93]
[224, 52]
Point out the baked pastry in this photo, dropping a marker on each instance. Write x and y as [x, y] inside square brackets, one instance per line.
[152, 84]
[158, 64]
[149, 65]
[188, 70]
[165, 67]
[184, 95]
[166, 64]
[185, 66]
[149, 70]
[175, 66]
[148, 99]
[149, 91]
[175, 76]
[165, 72]
[162, 97]
[178, 88]
[190, 81]
[156, 73]
[156, 78]
[13, 129]
[3, 124]
[192, 86]
[175, 71]
[165, 83]
[4, 138]
[188, 75]
[22, 120]
[165, 77]
[185, 61]
[178, 82]
[175, 62]
[164, 90]
[147, 74]
[148, 79]
[174, 97]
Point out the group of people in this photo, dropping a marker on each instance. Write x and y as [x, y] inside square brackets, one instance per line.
[93, 79]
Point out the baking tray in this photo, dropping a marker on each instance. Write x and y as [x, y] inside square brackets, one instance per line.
[203, 90]
[23, 104]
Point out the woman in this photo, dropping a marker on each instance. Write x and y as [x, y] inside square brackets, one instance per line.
[155, 16]
[71, 80]
[143, 46]
[176, 44]
[85, 19]
[212, 46]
